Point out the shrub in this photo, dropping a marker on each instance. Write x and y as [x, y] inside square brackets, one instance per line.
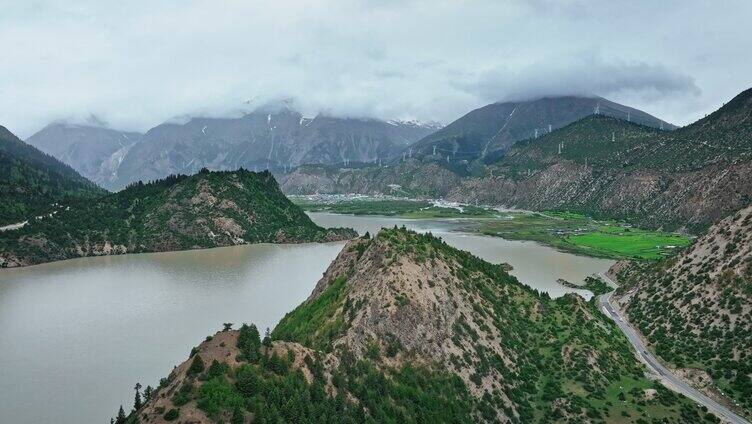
[172, 414]
[197, 366]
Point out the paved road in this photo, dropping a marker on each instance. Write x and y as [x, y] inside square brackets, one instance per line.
[682, 387]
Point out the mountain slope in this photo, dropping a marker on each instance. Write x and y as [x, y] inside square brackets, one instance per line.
[497, 126]
[600, 166]
[696, 309]
[404, 328]
[274, 139]
[95, 152]
[32, 183]
[208, 209]
[408, 178]
[689, 178]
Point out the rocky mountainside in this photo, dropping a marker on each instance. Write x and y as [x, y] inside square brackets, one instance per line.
[276, 139]
[93, 151]
[208, 209]
[404, 328]
[406, 178]
[33, 183]
[600, 165]
[690, 177]
[696, 308]
[495, 127]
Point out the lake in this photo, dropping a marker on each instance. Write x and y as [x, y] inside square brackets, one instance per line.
[75, 336]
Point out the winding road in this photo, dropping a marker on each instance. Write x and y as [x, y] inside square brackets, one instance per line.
[666, 375]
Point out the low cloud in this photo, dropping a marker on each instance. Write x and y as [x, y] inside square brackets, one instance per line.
[139, 63]
[586, 75]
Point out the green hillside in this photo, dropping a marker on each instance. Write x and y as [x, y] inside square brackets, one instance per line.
[33, 183]
[696, 309]
[208, 209]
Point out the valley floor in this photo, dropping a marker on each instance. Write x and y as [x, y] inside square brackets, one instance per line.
[570, 232]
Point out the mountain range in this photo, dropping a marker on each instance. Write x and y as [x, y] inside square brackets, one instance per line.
[94, 151]
[599, 165]
[276, 138]
[279, 138]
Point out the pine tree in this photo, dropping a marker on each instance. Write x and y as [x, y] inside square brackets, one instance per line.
[249, 342]
[120, 416]
[267, 338]
[137, 404]
[148, 392]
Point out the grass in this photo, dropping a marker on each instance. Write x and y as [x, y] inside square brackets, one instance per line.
[579, 234]
[628, 243]
[310, 324]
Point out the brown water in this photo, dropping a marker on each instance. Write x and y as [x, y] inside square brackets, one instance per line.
[75, 336]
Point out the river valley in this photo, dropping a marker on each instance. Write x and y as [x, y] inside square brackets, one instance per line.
[84, 331]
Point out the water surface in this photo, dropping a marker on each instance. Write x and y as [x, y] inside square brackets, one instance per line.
[75, 336]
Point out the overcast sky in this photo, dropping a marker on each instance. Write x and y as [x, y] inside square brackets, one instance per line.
[137, 63]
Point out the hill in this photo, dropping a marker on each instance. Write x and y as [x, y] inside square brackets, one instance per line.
[94, 151]
[497, 126]
[276, 139]
[404, 328]
[696, 309]
[33, 183]
[181, 212]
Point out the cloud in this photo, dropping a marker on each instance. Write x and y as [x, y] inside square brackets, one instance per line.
[583, 74]
[139, 63]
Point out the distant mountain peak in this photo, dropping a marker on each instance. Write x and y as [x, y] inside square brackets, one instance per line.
[497, 126]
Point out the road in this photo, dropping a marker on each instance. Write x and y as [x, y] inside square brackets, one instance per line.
[677, 383]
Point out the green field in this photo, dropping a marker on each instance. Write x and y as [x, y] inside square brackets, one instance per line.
[567, 231]
[582, 235]
[628, 242]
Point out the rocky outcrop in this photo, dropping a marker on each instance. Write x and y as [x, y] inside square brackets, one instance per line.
[407, 178]
[650, 198]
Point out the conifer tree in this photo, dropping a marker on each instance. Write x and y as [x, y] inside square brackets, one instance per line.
[137, 404]
[267, 338]
[120, 416]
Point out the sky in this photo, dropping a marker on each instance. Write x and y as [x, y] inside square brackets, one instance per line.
[139, 63]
